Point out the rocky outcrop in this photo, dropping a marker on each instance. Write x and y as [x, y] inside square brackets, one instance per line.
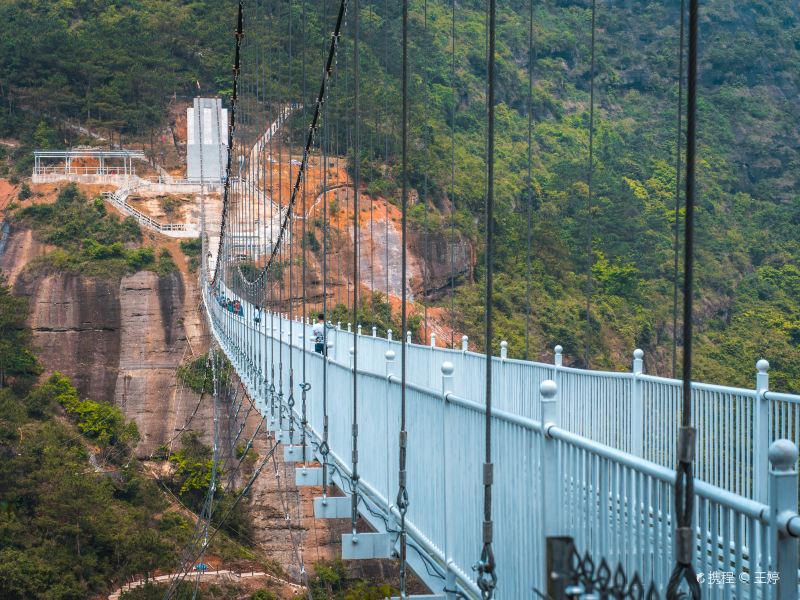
[76, 327]
[441, 260]
[119, 341]
[153, 343]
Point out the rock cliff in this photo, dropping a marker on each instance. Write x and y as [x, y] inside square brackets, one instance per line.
[119, 341]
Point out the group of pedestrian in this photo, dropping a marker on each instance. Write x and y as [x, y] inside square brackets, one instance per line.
[233, 306]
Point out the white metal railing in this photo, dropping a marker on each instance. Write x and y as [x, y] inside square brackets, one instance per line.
[548, 480]
[119, 199]
[630, 411]
[92, 170]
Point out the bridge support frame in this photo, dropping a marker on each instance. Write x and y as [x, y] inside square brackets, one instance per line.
[308, 476]
[366, 546]
[333, 507]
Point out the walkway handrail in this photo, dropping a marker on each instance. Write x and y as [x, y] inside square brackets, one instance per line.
[613, 503]
[631, 411]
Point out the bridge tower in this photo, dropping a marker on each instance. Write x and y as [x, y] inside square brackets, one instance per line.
[206, 130]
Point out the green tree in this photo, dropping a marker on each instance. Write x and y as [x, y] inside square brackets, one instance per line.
[18, 364]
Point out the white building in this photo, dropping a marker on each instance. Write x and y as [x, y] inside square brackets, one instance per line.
[206, 140]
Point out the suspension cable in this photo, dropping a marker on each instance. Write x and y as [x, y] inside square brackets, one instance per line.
[386, 134]
[290, 400]
[676, 249]
[453, 178]
[402, 493]
[305, 385]
[684, 476]
[528, 258]
[356, 246]
[231, 129]
[286, 218]
[324, 448]
[589, 200]
[486, 567]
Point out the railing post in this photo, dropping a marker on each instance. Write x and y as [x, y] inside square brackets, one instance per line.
[374, 331]
[389, 334]
[783, 509]
[349, 328]
[464, 349]
[558, 361]
[637, 410]
[359, 329]
[352, 355]
[761, 433]
[550, 496]
[408, 336]
[432, 362]
[447, 388]
[502, 377]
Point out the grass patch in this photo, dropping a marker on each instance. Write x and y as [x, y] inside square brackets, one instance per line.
[192, 249]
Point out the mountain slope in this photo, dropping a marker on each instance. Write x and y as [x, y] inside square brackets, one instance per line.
[132, 57]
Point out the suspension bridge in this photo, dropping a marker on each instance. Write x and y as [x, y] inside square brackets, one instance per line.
[487, 476]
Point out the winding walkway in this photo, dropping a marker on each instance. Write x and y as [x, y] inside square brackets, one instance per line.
[205, 575]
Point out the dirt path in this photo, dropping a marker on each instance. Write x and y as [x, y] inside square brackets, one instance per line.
[205, 576]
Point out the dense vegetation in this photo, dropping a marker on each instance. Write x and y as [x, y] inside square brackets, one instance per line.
[196, 374]
[331, 581]
[77, 512]
[18, 364]
[748, 176]
[67, 60]
[89, 239]
[192, 249]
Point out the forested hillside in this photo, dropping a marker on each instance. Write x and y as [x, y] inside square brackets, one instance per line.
[118, 65]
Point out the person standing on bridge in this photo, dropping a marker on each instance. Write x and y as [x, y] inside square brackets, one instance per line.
[318, 335]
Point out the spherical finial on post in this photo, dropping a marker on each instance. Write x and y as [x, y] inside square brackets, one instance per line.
[388, 334]
[447, 368]
[433, 340]
[783, 455]
[389, 354]
[374, 331]
[762, 366]
[638, 360]
[464, 343]
[548, 389]
[408, 336]
[559, 358]
[359, 329]
[352, 351]
[349, 328]
[504, 349]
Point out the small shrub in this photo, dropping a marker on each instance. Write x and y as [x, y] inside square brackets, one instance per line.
[25, 192]
[166, 264]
